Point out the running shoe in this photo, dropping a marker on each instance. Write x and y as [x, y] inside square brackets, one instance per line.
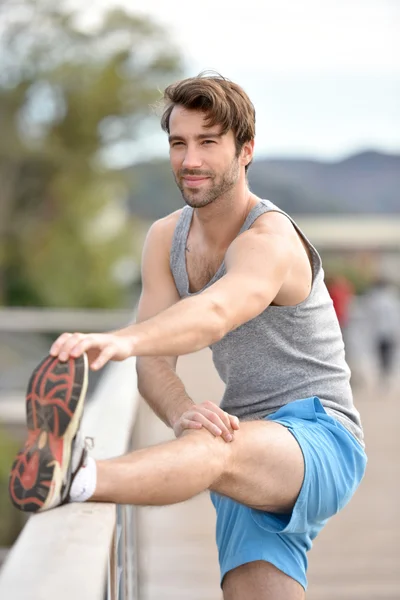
[54, 451]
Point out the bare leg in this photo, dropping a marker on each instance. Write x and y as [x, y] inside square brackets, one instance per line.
[263, 468]
[260, 580]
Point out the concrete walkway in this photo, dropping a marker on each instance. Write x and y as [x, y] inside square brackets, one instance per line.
[356, 557]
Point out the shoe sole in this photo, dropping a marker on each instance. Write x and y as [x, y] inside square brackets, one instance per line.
[54, 406]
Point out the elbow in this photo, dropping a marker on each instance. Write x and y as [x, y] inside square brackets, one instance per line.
[219, 321]
[142, 372]
[138, 364]
[139, 375]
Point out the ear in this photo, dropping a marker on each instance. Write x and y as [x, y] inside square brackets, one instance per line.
[246, 154]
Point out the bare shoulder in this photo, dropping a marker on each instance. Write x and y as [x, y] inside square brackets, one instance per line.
[161, 231]
[277, 226]
[156, 250]
[285, 238]
[274, 222]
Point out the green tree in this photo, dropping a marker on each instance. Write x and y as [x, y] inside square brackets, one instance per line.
[11, 519]
[71, 96]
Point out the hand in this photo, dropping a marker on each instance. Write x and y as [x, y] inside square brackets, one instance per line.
[211, 417]
[100, 347]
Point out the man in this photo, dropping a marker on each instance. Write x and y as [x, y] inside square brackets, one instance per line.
[382, 309]
[342, 293]
[232, 272]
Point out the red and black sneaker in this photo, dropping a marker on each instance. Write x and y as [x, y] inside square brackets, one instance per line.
[43, 470]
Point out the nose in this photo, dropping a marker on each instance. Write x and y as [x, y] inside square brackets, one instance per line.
[192, 158]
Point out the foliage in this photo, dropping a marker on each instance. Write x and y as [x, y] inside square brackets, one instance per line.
[71, 96]
[11, 519]
[358, 275]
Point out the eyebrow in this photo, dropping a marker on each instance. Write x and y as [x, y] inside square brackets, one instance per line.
[200, 136]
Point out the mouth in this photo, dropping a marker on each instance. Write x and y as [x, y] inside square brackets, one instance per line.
[191, 181]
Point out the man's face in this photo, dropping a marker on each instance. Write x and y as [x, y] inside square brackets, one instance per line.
[203, 161]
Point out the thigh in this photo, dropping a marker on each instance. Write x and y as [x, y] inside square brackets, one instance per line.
[242, 539]
[260, 580]
[264, 467]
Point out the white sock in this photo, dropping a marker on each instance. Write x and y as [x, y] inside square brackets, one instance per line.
[84, 483]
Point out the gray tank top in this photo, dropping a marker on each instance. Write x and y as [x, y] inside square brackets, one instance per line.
[284, 354]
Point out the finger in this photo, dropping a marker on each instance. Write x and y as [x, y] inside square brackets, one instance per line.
[87, 343]
[207, 423]
[217, 420]
[235, 424]
[103, 358]
[55, 348]
[224, 416]
[65, 350]
[189, 424]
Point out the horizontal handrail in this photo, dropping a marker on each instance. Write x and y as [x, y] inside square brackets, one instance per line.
[65, 553]
[40, 320]
[352, 232]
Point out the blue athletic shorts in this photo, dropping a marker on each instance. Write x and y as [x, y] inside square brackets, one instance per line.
[334, 466]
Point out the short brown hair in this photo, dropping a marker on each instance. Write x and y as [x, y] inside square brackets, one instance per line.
[224, 102]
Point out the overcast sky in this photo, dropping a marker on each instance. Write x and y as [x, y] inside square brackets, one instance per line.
[324, 75]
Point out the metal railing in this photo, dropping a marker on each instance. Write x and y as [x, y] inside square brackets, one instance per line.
[82, 551]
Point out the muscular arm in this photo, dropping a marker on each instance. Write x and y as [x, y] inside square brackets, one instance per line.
[162, 389]
[158, 382]
[257, 262]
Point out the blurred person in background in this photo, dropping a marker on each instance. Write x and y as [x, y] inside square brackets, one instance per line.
[342, 292]
[284, 451]
[382, 306]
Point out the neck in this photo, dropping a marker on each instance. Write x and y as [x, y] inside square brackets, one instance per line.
[220, 221]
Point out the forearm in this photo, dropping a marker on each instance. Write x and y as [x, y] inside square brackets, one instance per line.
[162, 389]
[190, 325]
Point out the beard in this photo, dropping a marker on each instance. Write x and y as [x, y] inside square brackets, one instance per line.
[216, 186]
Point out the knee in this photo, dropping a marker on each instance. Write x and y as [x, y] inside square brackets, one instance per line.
[216, 451]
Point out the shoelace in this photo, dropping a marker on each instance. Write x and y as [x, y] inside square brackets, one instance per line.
[88, 444]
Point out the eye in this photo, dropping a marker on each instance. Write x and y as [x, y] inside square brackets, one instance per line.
[209, 142]
[175, 144]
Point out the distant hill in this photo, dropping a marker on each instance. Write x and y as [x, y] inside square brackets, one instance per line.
[368, 182]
